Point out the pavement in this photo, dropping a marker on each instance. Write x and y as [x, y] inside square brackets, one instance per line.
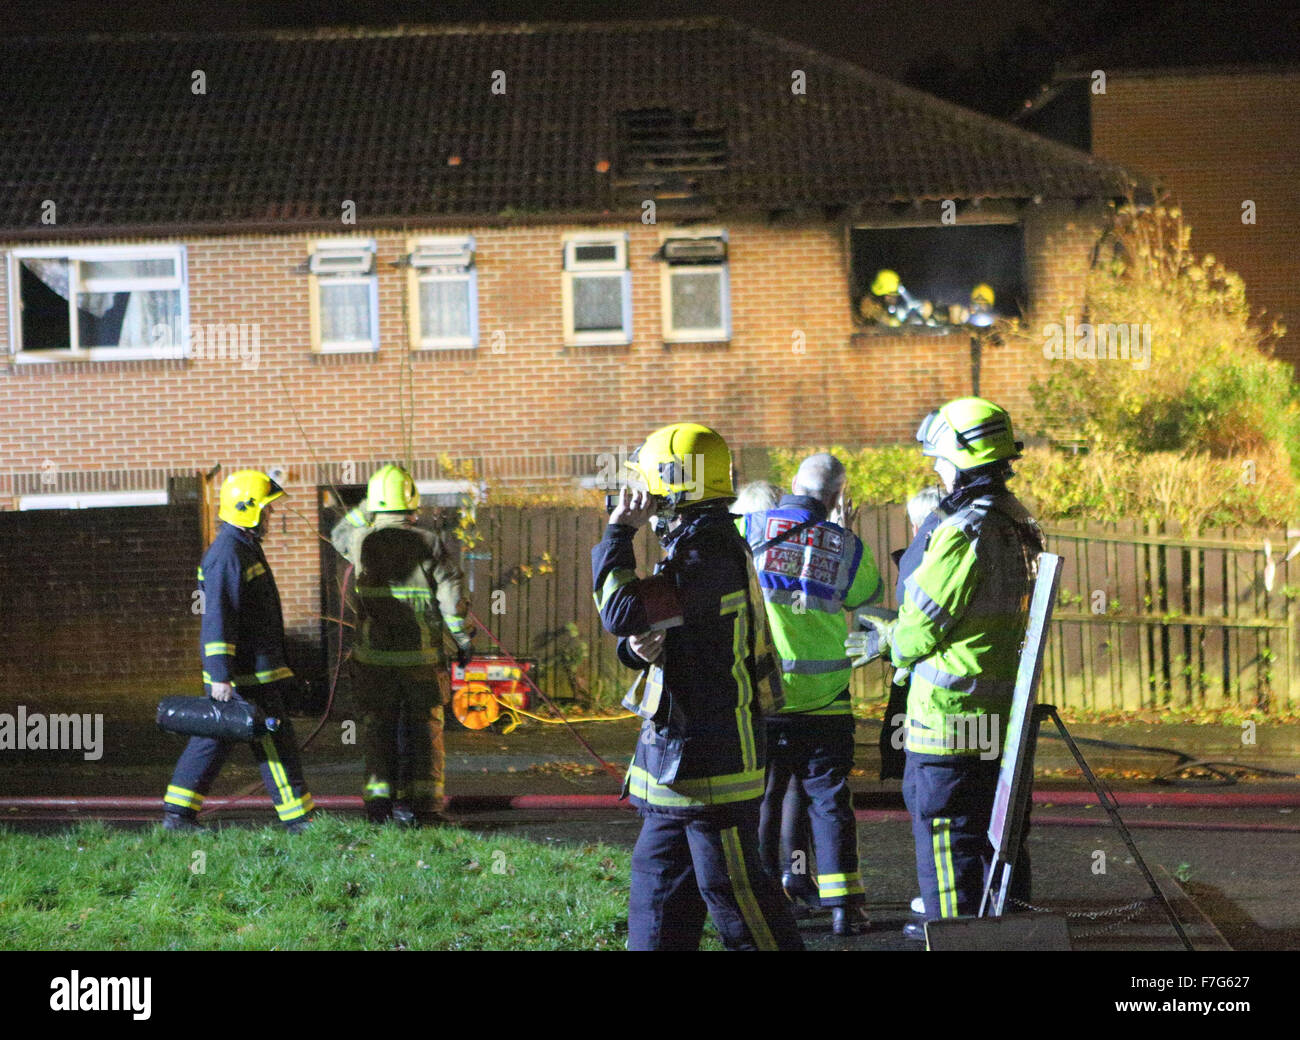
[1226, 861]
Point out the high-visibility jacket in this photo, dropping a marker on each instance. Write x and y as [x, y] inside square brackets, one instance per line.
[808, 581]
[408, 585]
[241, 634]
[962, 621]
[704, 747]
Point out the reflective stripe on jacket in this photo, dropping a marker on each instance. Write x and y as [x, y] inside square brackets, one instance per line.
[961, 624]
[241, 633]
[808, 581]
[407, 586]
[704, 746]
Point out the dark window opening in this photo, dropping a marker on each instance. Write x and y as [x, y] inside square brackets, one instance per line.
[937, 278]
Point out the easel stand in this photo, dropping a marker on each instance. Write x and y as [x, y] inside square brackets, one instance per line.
[999, 881]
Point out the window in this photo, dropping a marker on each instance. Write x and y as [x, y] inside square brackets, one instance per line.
[696, 293]
[344, 296]
[443, 293]
[98, 303]
[940, 280]
[597, 289]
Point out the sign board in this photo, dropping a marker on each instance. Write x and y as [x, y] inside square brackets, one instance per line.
[1006, 825]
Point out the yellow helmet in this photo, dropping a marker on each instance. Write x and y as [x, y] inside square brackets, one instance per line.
[969, 432]
[392, 490]
[983, 293]
[244, 495]
[685, 463]
[886, 283]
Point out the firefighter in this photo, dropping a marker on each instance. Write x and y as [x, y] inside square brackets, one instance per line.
[407, 587]
[692, 632]
[241, 637]
[811, 570]
[958, 633]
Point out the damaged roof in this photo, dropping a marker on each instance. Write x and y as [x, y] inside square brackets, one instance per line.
[482, 123]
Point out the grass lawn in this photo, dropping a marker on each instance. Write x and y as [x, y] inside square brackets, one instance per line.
[342, 885]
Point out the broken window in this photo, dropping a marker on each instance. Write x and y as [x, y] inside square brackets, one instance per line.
[937, 278]
[89, 303]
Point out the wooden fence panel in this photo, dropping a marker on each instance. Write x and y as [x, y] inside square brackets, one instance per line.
[1193, 622]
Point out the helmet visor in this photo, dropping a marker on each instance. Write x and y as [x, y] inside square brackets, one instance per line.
[928, 432]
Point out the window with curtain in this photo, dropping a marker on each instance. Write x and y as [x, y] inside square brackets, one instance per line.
[99, 303]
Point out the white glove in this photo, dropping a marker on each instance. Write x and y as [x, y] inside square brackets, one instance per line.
[869, 642]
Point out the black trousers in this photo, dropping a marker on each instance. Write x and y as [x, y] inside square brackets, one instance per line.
[685, 867]
[275, 753]
[950, 798]
[815, 752]
[402, 737]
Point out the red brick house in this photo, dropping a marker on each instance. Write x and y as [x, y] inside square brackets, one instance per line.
[1222, 139]
[267, 249]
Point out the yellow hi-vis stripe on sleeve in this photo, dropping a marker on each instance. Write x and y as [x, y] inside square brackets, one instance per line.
[183, 798]
[745, 898]
[254, 570]
[212, 649]
[614, 581]
[738, 603]
[944, 868]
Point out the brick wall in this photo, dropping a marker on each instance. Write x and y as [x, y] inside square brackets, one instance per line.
[98, 602]
[1215, 141]
[537, 397]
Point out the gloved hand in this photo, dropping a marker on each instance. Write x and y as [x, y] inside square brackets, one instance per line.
[870, 642]
[463, 654]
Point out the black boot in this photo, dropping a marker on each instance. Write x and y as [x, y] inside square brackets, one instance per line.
[849, 920]
[177, 822]
[799, 888]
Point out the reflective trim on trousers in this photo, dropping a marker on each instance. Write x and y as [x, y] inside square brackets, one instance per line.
[183, 798]
[295, 809]
[744, 891]
[831, 885]
[944, 868]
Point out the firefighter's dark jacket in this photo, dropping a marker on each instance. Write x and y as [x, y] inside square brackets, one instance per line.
[408, 585]
[241, 635]
[704, 746]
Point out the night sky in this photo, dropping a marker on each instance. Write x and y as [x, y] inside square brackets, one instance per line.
[989, 55]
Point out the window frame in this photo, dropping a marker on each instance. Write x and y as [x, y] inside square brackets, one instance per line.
[77, 255]
[572, 268]
[466, 272]
[672, 332]
[317, 280]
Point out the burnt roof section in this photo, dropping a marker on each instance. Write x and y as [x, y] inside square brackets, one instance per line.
[405, 124]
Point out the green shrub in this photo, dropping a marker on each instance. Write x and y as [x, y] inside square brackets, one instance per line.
[1212, 387]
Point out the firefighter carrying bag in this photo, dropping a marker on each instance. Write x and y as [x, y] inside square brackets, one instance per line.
[222, 720]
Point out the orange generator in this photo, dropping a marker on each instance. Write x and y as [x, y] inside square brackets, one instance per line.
[479, 690]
